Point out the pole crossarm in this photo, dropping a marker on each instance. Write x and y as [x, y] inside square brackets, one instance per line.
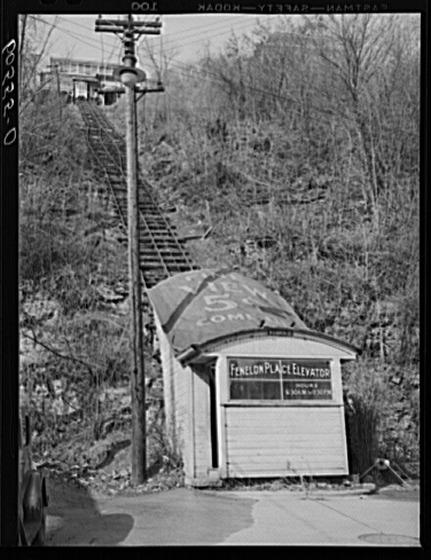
[117, 29]
[125, 23]
[133, 27]
[109, 29]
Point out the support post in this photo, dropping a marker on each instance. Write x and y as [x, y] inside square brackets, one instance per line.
[137, 377]
[135, 295]
[137, 381]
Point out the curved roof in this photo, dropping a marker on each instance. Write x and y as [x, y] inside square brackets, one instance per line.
[199, 308]
[202, 352]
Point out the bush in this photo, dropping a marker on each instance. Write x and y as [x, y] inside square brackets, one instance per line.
[374, 406]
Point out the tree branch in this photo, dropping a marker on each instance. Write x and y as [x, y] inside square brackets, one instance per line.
[54, 351]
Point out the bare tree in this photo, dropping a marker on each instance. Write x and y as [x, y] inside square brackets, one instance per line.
[364, 56]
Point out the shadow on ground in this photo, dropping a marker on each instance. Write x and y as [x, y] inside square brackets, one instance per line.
[181, 516]
[74, 518]
[175, 517]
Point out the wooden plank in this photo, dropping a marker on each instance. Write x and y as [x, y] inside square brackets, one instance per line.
[267, 442]
[268, 439]
[167, 242]
[169, 252]
[283, 464]
[165, 252]
[284, 459]
[279, 417]
[297, 403]
[271, 457]
[166, 262]
[286, 427]
[317, 472]
[158, 231]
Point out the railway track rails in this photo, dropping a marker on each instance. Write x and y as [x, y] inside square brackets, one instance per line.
[161, 253]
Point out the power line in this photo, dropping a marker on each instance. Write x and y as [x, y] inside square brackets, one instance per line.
[169, 39]
[95, 44]
[87, 40]
[73, 34]
[184, 67]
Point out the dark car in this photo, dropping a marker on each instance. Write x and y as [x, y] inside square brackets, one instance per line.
[32, 493]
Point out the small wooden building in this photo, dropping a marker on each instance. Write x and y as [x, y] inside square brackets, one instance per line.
[249, 390]
[84, 87]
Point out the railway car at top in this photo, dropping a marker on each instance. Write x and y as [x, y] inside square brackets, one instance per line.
[85, 89]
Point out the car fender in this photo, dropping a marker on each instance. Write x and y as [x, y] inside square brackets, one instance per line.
[45, 498]
[33, 509]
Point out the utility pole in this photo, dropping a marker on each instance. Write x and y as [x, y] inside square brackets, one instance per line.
[130, 76]
[57, 76]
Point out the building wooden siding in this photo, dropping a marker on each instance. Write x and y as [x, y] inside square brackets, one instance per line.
[254, 438]
[177, 391]
[200, 415]
[180, 379]
[263, 439]
[186, 402]
[276, 441]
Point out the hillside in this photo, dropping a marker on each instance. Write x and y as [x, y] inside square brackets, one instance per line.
[311, 189]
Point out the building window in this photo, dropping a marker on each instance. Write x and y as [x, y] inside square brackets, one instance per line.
[279, 379]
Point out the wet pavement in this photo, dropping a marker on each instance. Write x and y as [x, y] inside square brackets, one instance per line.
[213, 517]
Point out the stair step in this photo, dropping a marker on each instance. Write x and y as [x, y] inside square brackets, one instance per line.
[171, 267]
[180, 261]
[168, 251]
[164, 254]
[161, 253]
[156, 228]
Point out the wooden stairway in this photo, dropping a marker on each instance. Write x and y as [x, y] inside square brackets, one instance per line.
[162, 254]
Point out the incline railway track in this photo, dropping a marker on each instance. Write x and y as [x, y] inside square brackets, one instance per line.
[162, 254]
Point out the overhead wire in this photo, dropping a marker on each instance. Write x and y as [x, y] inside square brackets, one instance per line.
[202, 29]
[167, 40]
[94, 42]
[181, 67]
[91, 42]
[88, 40]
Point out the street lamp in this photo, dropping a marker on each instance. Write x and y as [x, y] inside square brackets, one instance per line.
[129, 76]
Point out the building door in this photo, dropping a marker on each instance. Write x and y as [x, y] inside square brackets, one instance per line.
[213, 417]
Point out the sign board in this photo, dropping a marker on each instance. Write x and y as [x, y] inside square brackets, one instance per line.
[279, 378]
[198, 306]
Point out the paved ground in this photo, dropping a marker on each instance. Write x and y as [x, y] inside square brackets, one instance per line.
[282, 518]
[189, 517]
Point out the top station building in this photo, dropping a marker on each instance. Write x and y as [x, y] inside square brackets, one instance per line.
[85, 79]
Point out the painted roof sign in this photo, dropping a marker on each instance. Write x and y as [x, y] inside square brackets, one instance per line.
[198, 306]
